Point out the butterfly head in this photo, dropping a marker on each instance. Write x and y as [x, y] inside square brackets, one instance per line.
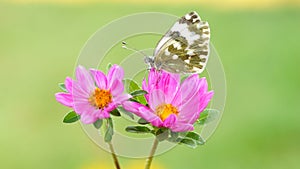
[152, 63]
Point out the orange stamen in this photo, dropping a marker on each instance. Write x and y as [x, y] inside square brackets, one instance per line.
[100, 98]
[165, 110]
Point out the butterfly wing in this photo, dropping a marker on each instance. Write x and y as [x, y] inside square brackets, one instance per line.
[185, 47]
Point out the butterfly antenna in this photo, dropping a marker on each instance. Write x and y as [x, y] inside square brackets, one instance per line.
[125, 46]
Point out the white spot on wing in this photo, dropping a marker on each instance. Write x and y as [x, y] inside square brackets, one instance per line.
[175, 57]
[195, 19]
[190, 52]
[179, 27]
[190, 36]
[188, 16]
[197, 70]
[179, 47]
[167, 52]
[176, 44]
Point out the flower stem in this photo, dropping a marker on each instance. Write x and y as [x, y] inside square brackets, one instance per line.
[152, 152]
[115, 158]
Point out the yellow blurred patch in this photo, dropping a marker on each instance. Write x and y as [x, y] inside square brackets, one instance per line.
[98, 165]
[141, 164]
[137, 164]
[215, 3]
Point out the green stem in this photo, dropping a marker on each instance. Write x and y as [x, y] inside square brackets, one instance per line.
[115, 158]
[152, 152]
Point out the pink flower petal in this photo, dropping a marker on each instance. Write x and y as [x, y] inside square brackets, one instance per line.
[78, 91]
[115, 73]
[151, 117]
[83, 107]
[168, 122]
[84, 79]
[110, 107]
[205, 100]
[121, 98]
[156, 98]
[69, 84]
[170, 86]
[203, 86]
[88, 118]
[80, 98]
[152, 77]
[132, 107]
[187, 90]
[182, 127]
[189, 109]
[65, 99]
[143, 111]
[99, 78]
[116, 88]
[145, 87]
[177, 100]
[103, 114]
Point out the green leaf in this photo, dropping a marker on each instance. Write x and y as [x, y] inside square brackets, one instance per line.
[162, 134]
[207, 116]
[203, 115]
[138, 93]
[62, 86]
[134, 100]
[137, 129]
[71, 117]
[130, 85]
[196, 137]
[160, 131]
[173, 136]
[138, 96]
[189, 142]
[115, 112]
[143, 121]
[109, 131]
[142, 99]
[109, 65]
[123, 111]
[97, 124]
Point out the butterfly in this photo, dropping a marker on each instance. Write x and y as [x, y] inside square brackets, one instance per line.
[184, 48]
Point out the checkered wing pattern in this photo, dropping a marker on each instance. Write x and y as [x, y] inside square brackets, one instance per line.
[185, 47]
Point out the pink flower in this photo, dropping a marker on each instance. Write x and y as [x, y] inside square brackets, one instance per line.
[172, 105]
[93, 95]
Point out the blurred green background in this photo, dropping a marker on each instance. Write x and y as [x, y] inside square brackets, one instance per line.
[258, 45]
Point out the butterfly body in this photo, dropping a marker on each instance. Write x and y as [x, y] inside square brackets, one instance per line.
[184, 48]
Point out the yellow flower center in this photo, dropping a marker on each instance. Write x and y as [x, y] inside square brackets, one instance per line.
[100, 98]
[165, 110]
